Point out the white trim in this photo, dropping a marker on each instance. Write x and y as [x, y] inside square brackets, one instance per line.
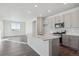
[14, 41]
[61, 13]
[34, 49]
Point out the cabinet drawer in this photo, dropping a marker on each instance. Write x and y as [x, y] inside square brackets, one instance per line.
[66, 40]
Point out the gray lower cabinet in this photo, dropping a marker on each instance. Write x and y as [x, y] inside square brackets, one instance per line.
[54, 47]
[71, 41]
[66, 40]
[74, 42]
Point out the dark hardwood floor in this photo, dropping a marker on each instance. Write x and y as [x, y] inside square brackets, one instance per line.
[8, 48]
[65, 51]
[12, 47]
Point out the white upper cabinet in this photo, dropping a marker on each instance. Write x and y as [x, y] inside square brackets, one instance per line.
[67, 19]
[47, 25]
[71, 18]
[75, 19]
[59, 18]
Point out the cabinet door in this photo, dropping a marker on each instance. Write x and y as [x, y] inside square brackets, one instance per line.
[66, 40]
[47, 26]
[74, 42]
[75, 19]
[53, 23]
[67, 20]
[59, 18]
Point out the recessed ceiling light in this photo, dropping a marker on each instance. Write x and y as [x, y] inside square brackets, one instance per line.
[49, 10]
[36, 6]
[65, 3]
[29, 12]
[40, 14]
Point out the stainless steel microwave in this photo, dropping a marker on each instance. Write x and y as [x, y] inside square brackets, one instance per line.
[59, 25]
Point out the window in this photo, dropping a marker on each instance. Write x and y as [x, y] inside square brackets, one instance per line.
[15, 26]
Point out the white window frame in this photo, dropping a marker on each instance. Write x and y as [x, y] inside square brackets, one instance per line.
[15, 26]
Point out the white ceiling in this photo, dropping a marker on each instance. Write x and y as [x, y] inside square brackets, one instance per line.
[27, 11]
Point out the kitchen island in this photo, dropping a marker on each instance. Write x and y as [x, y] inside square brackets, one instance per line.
[44, 45]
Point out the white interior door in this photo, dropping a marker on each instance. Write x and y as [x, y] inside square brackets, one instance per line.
[1, 29]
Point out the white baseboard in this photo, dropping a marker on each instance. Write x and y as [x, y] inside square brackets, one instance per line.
[34, 49]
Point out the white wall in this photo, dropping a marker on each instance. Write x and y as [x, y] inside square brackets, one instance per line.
[9, 32]
[28, 26]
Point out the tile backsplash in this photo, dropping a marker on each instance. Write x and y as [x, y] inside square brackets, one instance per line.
[72, 30]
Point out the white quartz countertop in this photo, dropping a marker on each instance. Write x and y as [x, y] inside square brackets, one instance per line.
[46, 37]
[73, 34]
